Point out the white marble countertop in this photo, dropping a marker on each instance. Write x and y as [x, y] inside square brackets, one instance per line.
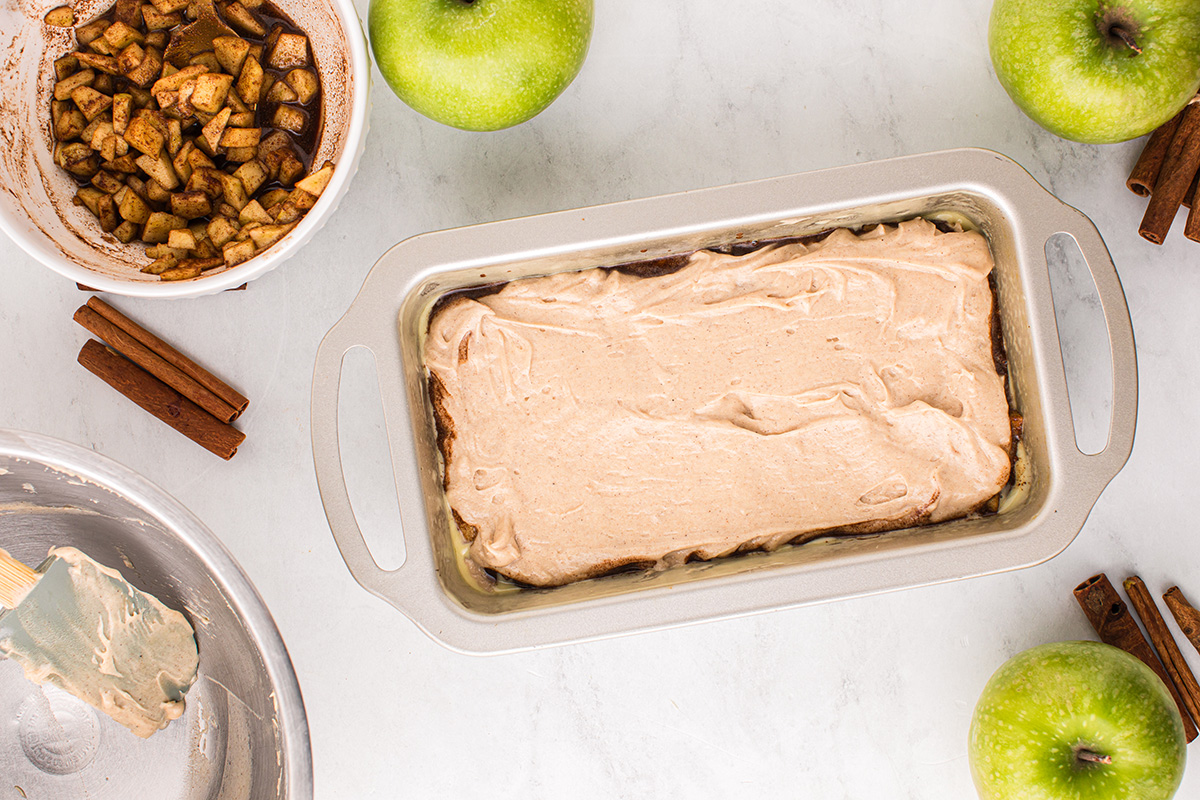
[862, 698]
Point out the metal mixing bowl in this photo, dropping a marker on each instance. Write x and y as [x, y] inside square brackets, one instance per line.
[244, 735]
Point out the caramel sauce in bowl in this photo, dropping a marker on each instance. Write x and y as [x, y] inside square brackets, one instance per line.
[36, 208]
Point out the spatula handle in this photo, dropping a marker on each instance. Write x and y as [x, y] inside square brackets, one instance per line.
[15, 579]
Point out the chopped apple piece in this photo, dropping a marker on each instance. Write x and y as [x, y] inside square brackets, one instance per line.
[122, 109]
[107, 182]
[241, 18]
[272, 198]
[170, 6]
[285, 212]
[173, 82]
[65, 66]
[304, 83]
[155, 192]
[205, 263]
[234, 191]
[119, 35]
[315, 183]
[159, 226]
[208, 59]
[128, 12]
[290, 168]
[191, 204]
[231, 51]
[98, 62]
[89, 197]
[139, 186]
[108, 147]
[254, 212]
[207, 180]
[100, 129]
[184, 270]
[60, 17]
[126, 232]
[238, 155]
[221, 230]
[158, 21]
[163, 249]
[144, 136]
[160, 264]
[212, 132]
[90, 102]
[210, 92]
[148, 71]
[276, 141]
[242, 137]
[159, 168]
[198, 159]
[267, 235]
[63, 89]
[100, 45]
[280, 92]
[243, 233]
[290, 51]
[250, 81]
[252, 174]
[237, 252]
[70, 124]
[206, 250]
[124, 162]
[174, 137]
[302, 200]
[288, 118]
[181, 239]
[133, 208]
[108, 214]
[129, 59]
[180, 163]
[241, 119]
[90, 32]
[234, 101]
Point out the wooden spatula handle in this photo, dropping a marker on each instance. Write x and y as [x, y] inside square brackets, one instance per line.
[15, 579]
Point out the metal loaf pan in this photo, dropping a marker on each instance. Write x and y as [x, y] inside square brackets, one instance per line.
[993, 193]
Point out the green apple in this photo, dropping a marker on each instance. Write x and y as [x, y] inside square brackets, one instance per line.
[1097, 71]
[480, 65]
[1076, 721]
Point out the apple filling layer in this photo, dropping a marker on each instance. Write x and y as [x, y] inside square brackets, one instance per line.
[594, 419]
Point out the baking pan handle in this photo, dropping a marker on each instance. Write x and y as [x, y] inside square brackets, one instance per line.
[347, 334]
[1104, 465]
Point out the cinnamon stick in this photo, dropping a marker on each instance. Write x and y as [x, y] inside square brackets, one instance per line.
[1164, 644]
[1180, 165]
[1185, 614]
[1191, 228]
[161, 400]
[1190, 196]
[120, 340]
[1114, 625]
[172, 356]
[1146, 169]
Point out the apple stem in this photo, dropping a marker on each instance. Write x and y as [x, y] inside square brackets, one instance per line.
[1127, 39]
[1091, 757]
[1119, 28]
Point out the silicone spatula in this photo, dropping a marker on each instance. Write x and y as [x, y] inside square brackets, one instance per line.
[80, 626]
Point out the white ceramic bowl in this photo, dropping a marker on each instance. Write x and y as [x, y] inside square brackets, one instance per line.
[35, 201]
